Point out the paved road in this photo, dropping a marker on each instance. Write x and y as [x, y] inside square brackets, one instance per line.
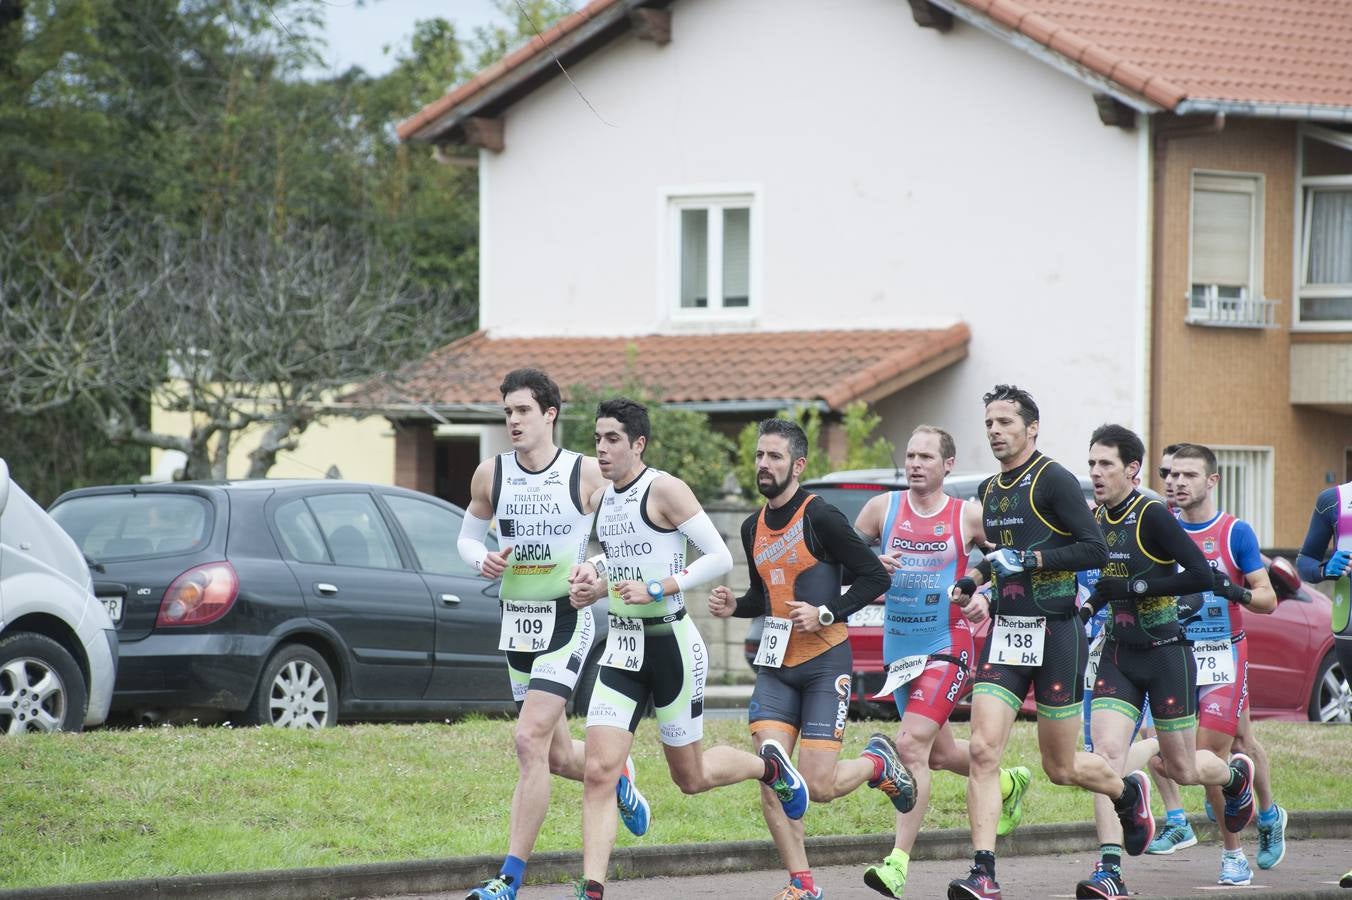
[1310, 870]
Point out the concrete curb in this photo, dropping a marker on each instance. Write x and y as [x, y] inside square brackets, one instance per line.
[428, 876]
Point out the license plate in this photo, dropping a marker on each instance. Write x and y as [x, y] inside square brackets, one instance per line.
[114, 607]
[870, 616]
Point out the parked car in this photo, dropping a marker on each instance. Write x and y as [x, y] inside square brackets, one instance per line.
[293, 603]
[58, 649]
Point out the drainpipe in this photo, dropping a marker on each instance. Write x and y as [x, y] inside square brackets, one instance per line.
[1159, 141]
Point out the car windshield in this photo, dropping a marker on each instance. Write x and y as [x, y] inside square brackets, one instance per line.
[848, 498]
[110, 527]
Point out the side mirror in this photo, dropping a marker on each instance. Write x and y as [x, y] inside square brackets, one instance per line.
[1285, 579]
[4, 485]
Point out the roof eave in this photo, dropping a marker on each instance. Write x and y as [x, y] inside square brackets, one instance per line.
[1305, 112]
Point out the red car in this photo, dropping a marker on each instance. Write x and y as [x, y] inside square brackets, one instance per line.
[1294, 674]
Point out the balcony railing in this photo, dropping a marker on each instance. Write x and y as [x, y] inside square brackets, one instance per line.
[1231, 312]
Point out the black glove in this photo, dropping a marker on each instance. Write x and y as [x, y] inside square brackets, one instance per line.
[1085, 612]
[1112, 589]
[965, 586]
[1222, 586]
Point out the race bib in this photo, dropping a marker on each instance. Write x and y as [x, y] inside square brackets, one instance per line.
[526, 625]
[624, 644]
[1215, 662]
[774, 641]
[1095, 654]
[1018, 640]
[908, 668]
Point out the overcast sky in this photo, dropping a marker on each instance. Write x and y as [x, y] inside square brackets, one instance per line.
[358, 35]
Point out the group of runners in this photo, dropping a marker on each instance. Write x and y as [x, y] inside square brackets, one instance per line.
[1162, 585]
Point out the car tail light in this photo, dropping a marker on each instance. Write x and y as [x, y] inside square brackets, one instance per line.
[200, 595]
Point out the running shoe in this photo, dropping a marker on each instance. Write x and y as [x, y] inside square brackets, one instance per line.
[1172, 837]
[1011, 808]
[976, 886]
[498, 888]
[1239, 795]
[889, 878]
[1210, 813]
[1272, 841]
[896, 780]
[1105, 884]
[1235, 870]
[1138, 822]
[633, 806]
[1346, 880]
[788, 784]
[796, 891]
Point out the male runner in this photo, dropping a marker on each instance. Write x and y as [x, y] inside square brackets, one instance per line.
[1167, 466]
[1034, 511]
[925, 537]
[797, 548]
[654, 651]
[1332, 521]
[1151, 562]
[543, 499]
[1213, 622]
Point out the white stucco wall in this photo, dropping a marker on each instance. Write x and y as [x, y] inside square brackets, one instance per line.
[905, 178]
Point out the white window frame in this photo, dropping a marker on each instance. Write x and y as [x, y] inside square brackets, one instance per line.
[1304, 214]
[1251, 309]
[1259, 460]
[672, 201]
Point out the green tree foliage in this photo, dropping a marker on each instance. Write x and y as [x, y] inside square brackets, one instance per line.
[861, 452]
[682, 441]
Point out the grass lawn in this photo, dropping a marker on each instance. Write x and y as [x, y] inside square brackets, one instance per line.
[177, 801]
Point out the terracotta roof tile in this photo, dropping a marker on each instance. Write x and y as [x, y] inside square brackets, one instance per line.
[836, 367]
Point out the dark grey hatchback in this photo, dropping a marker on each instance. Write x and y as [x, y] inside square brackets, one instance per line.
[292, 603]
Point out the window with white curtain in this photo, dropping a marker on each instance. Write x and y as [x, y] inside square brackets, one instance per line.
[1326, 266]
[1226, 246]
[714, 251]
[1245, 488]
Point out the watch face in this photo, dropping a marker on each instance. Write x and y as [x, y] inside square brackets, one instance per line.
[655, 588]
[1139, 586]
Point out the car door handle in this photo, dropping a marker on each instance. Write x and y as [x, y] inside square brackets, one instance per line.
[324, 587]
[450, 599]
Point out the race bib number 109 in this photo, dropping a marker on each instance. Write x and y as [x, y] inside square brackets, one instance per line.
[526, 626]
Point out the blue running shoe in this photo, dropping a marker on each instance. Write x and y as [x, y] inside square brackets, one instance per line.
[796, 891]
[633, 805]
[1105, 884]
[498, 888]
[1272, 841]
[1210, 813]
[1172, 837]
[788, 784]
[896, 780]
[1239, 795]
[976, 886]
[1235, 870]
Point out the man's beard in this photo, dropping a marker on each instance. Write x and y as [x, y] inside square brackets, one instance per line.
[773, 489]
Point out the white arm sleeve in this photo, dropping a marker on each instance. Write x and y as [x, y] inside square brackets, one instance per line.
[471, 543]
[716, 560]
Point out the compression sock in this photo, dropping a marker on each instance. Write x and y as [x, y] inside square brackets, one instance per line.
[986, 860]
[513, 869]
[804, 880]
[877, 769]
[1176, 816]
[1006, 784]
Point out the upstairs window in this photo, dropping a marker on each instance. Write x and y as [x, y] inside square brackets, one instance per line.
[1227, 251]
[1326, 267]
[713, 244]
[1245, 488]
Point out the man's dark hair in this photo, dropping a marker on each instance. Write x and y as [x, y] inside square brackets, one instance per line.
[540, 385]
[1024, 400]
[1198, 451]
[789, 431]
[631, 415]
[1128, 445]
[1170, 450]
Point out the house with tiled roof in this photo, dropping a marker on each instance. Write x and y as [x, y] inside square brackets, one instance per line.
[1139, 210]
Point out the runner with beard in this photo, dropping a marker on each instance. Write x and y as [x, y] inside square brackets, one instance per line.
[797, 548]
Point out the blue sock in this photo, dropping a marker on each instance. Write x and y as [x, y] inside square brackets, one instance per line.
[513, 868]
[1268, 816]
[1176, 816]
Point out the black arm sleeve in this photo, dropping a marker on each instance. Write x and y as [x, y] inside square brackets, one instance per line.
[1060, 496]
[1164, 538]
[831, 536]
[752, 603]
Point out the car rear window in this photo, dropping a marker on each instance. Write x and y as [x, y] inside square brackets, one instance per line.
[109, 527]
[848, 498]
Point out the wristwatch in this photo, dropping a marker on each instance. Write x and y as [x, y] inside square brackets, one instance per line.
[1139, 586]
[655, 589]
[1028, 559]
[825, 616]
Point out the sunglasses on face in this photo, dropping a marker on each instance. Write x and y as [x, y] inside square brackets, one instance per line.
[1165, 473]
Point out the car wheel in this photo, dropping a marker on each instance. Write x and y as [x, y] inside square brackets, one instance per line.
[41, 687]
[297, 690]
[1331, 697]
